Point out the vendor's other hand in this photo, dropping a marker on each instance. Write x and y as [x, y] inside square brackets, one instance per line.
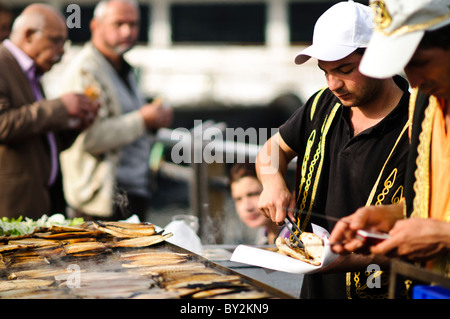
[417, 239]
[374, 218]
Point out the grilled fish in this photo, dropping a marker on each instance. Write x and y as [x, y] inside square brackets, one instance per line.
[24, 283]
[201, 280]
[36, 293]
[141, 241]
[35, 242]
[69, 235]
[84, 247]
[125, 230]
[40, 273]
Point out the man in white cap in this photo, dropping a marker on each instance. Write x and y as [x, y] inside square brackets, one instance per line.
[351, 142]
[414, 36]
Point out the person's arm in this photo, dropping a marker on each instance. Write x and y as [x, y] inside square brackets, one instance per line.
[416, 239]
[271, 166]
[110, 130]
[20, 123]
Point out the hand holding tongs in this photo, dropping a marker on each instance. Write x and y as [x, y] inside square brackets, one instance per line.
[290, 224]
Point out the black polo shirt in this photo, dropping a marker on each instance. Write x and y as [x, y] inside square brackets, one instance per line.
[351, 164]
[350, 167]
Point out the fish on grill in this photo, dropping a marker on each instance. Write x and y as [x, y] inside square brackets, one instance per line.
[35, 242]
[24, 283]
[52, 272]
[33, 266]
[84, 247]
[125, 230]
[36, 293]
[153, 254]
[110, 284]
[29, 261]
[169, 269]
[142, 241]
[198, 280]
[151, 259]
[14, 247]
[69, 235]
[48, 252]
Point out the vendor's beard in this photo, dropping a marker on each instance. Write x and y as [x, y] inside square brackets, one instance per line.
[367, 93]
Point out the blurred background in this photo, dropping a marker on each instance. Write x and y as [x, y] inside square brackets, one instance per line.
[228, 62]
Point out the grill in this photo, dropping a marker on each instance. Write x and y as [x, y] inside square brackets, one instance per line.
[36, 266]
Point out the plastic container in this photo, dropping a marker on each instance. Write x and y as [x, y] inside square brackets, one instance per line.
[430, 292]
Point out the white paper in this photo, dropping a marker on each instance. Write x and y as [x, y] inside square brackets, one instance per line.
[184, 236]
[276, 261]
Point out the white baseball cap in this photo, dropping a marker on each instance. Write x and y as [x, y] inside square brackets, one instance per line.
[399, 28]
[339, 31]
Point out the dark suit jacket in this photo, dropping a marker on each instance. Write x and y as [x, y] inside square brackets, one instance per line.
[25, 162]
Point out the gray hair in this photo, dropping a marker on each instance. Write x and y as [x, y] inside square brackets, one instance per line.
[100, 8]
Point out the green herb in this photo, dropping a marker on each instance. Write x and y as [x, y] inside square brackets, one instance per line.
[20, 226]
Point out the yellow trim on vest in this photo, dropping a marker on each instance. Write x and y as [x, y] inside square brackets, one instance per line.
[319, 153]
[316, 100]
[422, 174]
[374, 188]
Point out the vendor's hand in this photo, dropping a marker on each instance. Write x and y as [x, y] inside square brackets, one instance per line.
[416, 239]
[276, 202]
[374, 218]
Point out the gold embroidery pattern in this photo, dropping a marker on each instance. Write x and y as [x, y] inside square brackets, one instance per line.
[319, 154]
[322, 142]
[398, 195]
[314, 104]
[374, 188]
[308, 183]
[383, 20]
[309, 145]
[422, 174]
[388, 183]
[360, 289]
[307, 155]
[415, 27]
[421, 185]
[382, 17]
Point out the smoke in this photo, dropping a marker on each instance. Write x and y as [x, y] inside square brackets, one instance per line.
[224, 227]
[121, 204]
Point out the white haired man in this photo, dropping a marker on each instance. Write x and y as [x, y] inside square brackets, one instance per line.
[33, 129]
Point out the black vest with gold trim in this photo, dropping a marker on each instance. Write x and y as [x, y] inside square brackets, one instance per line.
[386, 189]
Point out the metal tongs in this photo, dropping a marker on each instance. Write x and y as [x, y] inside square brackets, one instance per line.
[292, 227]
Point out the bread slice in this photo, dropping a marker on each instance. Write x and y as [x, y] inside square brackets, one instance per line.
[313, 245]
[312, 254]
